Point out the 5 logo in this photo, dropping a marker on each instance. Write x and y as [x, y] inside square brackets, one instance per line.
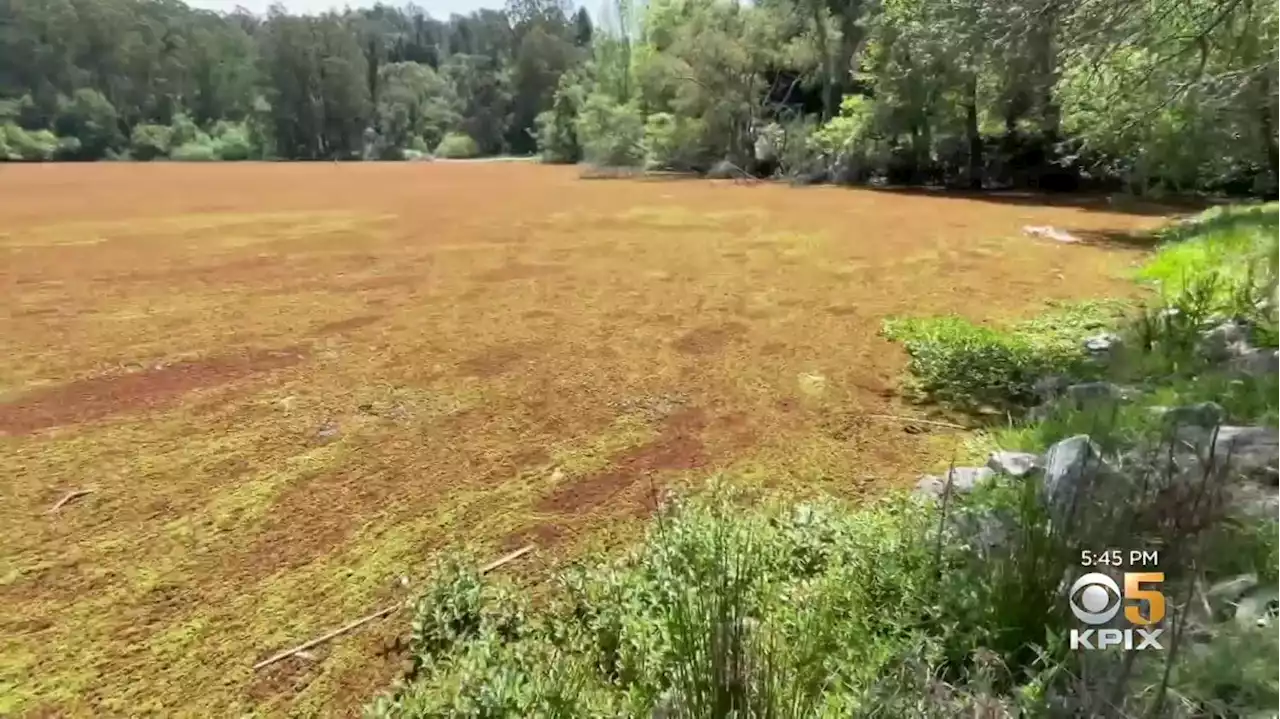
[1096, 599]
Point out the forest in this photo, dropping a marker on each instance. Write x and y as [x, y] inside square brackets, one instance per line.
[1147, 96]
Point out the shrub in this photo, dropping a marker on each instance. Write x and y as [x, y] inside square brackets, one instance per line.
[149, 142]
[457, 146]
[195, 152]
[611, 135]
[955, 361]
[30, 146]
[673, 143]
[232, 141]
[556, 131]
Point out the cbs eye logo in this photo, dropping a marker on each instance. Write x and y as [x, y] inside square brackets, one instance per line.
[1096, 599]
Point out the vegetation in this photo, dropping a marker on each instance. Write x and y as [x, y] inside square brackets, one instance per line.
[1150, 95]
[733, 607]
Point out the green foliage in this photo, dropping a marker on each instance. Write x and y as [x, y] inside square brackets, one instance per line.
[17, 144]
[557, 134]
[415, 106]
[611, 134]
[92, 120]
[195, 152]
[457, 146]
[673, 143]
[149, 142]
[967, 365]
[778, 611]
[232, 141]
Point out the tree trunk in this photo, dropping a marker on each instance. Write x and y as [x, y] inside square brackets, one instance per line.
[1266, 126]
[975, 138]
[824, 51]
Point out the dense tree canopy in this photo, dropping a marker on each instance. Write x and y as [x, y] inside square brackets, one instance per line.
[1171, 95]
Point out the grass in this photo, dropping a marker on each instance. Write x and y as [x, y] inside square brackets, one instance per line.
[465, 348]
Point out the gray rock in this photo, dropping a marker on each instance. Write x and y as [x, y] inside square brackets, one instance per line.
[1102, 344]
[1224, 341]
[1014, 464]
[724, 170]
[1254, 501]
[1251, 452]
[963, 481]
[1072, 469]
[1259, 607]
[1201, 414]
[1087, 394]
[1255, 362]
[1230, 590]
[1050, 387]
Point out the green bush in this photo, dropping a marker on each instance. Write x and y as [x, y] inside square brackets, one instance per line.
[611, 135]
[673, 143]
[957, 362]
[457, 146]
[149, 142]
[195, 152]
[18, 144]
[232, 141]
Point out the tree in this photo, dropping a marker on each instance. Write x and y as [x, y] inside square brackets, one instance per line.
[414, 103]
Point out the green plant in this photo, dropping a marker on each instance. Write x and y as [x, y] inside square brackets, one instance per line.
[195, 152]
[150, 142]
[967, 365]
[611, 134]
[457, 146]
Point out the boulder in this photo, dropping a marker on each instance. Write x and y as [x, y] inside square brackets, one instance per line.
[1250, 452]
[724, 170]
[1102, 344]
[1072, 468]
[1224, 341]
[1090, 394]
[1255, 362]
[1013, 464]
[1201, 414]
[1050, 387]
[963, 481]
[1258, 607]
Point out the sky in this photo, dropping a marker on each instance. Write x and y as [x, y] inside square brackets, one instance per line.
[435, 8]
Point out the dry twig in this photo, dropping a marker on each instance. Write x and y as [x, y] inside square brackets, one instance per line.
[69, 496]
[301, 648]
[916, 420]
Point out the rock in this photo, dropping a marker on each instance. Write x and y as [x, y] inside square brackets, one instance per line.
[1259, 607]
[981, 530]
[1050, 233]
[1248, 500]
[328, 432]
[1071, 470]
[1230, 590]
[1050, 387]
[1201, 414]
[1252, 452]
[1014, 464]
[1094, 393]
[1102, 344]
[724, 170]
[963, 481]
[1255, 362]
[1224, 341]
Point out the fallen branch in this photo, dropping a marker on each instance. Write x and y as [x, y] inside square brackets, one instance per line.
[69, 496]
[919, 421]
[508, 558]
[326, 637]
[301, 648]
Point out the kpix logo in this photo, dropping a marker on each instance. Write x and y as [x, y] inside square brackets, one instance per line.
[1096, 600]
